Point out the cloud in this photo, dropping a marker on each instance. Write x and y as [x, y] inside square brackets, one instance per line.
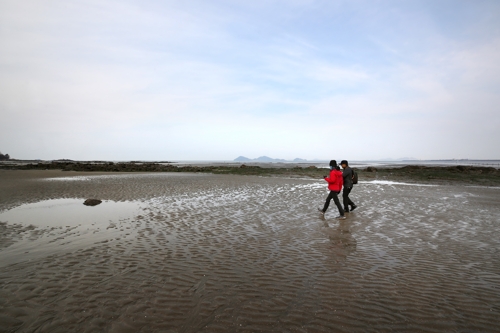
[198, 80]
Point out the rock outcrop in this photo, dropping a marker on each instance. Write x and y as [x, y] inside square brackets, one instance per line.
[92, 202]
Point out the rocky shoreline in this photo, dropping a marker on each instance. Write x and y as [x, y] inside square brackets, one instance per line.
[100, 166]
[487, 176]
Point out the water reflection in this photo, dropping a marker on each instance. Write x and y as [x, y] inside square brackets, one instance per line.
[342, 242]
[53, 226]
[69, 213]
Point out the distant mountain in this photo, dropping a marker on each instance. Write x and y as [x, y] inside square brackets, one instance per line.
[268, 159]
[299, 160]
[242, 159]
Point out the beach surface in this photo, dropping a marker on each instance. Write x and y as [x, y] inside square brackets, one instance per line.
[200, 252]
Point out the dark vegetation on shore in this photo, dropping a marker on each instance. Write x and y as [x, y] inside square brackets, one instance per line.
[486, 176]
[474, 175]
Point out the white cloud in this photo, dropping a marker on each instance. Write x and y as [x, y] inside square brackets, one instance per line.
[136, 80]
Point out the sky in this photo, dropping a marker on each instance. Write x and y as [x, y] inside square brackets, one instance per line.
[213, 80]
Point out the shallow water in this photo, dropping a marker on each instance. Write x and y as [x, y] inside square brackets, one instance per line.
[68, 213]
[390, 182]
[59, 224]
[231, 253]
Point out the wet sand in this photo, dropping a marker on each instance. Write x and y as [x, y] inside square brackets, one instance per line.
[227, 253]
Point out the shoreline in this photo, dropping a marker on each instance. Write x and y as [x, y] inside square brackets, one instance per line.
[459, 174]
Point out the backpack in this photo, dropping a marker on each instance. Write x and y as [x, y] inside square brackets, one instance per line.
[354, 176]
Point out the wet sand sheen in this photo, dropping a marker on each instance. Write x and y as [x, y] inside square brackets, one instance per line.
[238, 253]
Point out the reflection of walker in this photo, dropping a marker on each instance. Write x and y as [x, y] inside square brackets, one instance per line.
[341, 239]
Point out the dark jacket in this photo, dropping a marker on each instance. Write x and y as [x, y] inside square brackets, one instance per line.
[347, 175]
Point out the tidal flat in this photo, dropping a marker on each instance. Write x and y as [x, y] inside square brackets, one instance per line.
[208, 252]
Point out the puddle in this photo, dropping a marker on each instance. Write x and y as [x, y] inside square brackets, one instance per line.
[73, 178]
[69, 213]
[121, 176]
[51, 226]
[388, 182]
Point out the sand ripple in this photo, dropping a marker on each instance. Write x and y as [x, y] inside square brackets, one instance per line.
[243, 254]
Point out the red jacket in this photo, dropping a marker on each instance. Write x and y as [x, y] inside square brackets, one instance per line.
[335, 181]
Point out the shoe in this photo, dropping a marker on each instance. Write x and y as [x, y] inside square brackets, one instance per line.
[341, 217]
[346, 210]
[353, 207]
[321, 211]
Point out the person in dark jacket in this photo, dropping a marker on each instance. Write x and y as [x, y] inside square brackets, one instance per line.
[335, 181]
[347, 174]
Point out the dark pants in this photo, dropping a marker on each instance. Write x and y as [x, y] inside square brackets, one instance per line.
[333, 195]
[345, 197]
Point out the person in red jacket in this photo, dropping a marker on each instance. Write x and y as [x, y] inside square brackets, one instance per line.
[335, 182]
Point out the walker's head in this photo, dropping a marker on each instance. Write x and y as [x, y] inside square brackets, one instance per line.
[344, 164]
[333, 164]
